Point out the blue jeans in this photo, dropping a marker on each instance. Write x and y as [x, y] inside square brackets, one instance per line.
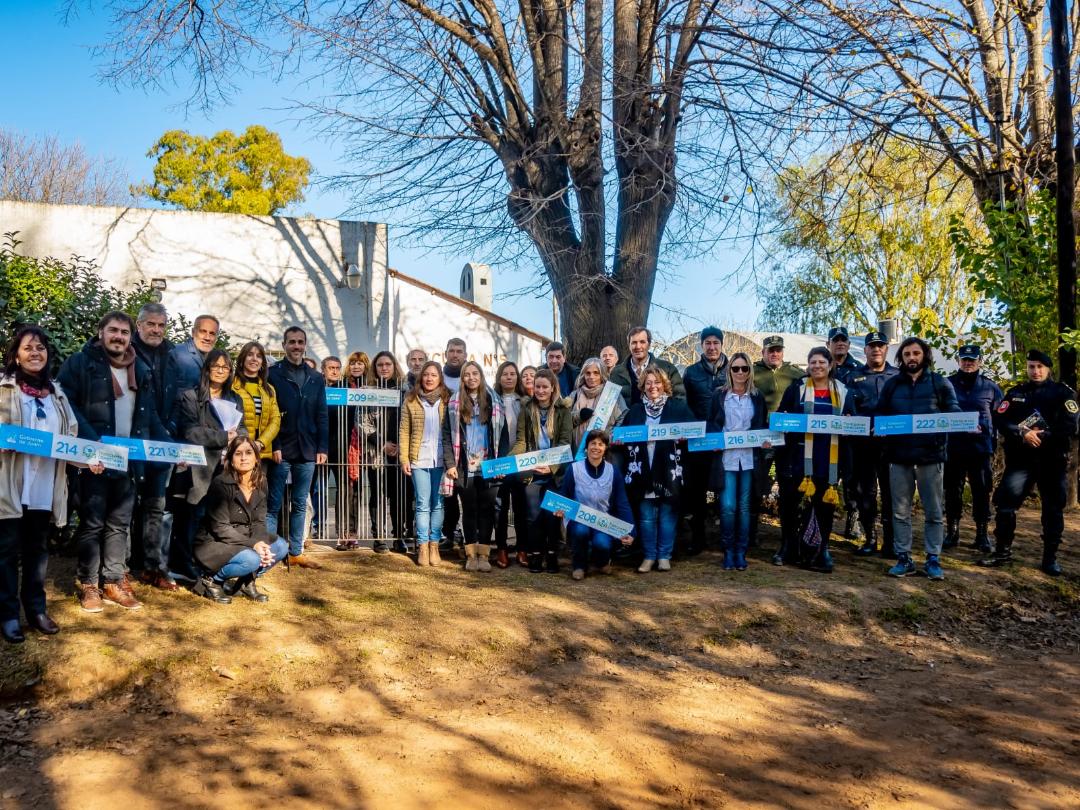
[302, 471]
[429, 505]
[929, 478]
[657, 518]
[735, 509]
[582, 539]
[248, 561]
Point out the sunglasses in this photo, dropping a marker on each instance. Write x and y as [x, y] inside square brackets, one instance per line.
[40, 411]
[740, 369]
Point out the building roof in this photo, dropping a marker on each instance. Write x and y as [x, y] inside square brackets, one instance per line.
[468, 305]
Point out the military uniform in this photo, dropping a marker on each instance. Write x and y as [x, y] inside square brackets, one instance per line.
[1051, 408]
[870, 468]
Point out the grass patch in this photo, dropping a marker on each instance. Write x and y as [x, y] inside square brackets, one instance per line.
[911, 613]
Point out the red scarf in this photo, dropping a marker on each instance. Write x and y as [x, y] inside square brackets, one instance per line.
[126, 361]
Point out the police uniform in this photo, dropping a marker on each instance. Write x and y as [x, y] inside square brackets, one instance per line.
[1049, 407]
[970, 454]
[869, 465]
[844, 372]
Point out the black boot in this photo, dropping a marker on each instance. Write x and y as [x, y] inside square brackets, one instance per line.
[888, 552]
[982, 539]
[822, 562]
[399, 546]
[1050, 565]
[1002, 555]
[552, 562]
[245, 586]
[869, 545]
[206, 586]
[852, 529]
[952, 533]
[536, 562]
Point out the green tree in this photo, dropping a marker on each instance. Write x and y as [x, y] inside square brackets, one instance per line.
[868, 231]
[226, 173]
[66, 299]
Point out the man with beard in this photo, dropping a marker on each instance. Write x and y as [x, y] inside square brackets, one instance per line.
[844, 368]
[970, 453]
[414, 361]
[1038, 420]
[702, 379]
[151, 526]
[111, 392]
[870, 469]
[919, 458]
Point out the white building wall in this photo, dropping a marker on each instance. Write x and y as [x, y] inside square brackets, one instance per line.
[261, 274]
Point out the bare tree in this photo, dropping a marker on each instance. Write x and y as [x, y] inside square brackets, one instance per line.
[562, 122]
[47, 170]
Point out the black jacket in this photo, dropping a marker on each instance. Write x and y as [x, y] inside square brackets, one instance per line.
[305, 425]
[155, 359]
[790, 459]
[1056, 404]
[701, 382]
[930, 393]
[865, 387]
[975, 392]
[848, 369]
[197, 423]
[230, 524]
[664, 476]
[717, 416]
[86, 378]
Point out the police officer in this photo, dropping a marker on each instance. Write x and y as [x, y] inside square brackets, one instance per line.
[969, 454]
[1038, 420]
[870, 468]
[844, 368]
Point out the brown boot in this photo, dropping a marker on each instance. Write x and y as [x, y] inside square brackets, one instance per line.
[522, 558]
[115, 594]
[303, 561]
[90, 598]
[422, 554]
[159, 580]
[433, 554]
[502, 559]
[483, 564]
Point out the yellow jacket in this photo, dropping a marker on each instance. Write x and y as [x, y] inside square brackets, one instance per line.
[411, 428]
[264, 427]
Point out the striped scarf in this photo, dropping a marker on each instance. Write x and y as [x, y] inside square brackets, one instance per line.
[807, 487]
[453, 408]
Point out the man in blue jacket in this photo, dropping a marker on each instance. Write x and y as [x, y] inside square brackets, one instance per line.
[302, 442]
[970, 453]
[185, 362]
[919, 458]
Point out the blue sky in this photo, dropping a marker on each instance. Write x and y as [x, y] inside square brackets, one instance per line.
[51, 87]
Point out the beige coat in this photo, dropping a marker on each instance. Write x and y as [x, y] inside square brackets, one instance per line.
[11, 464]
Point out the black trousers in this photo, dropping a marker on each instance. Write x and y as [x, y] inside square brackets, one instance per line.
[510, 496]
[23, 543]
[384, 487]
[477, 497]
[791, 513]
[544, 535]
[871, 472]
[149, 541]
[105, 506]
[451, 517]
[1016, 484]
[695, 494]
[973, 468]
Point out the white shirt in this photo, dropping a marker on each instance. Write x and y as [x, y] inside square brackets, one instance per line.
[738, 415]
[125, 404]
[431, 442]
[39, 474]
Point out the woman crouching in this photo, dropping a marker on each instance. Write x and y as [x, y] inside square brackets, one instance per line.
[233, 545]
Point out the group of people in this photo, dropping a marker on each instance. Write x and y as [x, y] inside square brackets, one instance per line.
[267, 433]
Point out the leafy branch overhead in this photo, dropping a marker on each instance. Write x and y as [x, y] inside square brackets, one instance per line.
[226, 173]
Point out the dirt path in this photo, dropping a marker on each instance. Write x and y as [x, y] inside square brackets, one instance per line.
[375, 684]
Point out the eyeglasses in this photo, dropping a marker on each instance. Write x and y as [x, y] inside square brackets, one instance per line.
[220, 368]
[40, 412]
[740, 369]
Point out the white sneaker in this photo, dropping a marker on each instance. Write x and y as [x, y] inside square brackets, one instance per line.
[664, 565]
[578, 574]
[646, 566]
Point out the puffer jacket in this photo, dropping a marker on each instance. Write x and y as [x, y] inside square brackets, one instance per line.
[411, 427]
[11, 464]
[264, 427]
[86, 378]
[702, 382]
[902, 394]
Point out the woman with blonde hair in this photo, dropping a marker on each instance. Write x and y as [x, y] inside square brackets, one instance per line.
[420, 438]
[586, 396]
